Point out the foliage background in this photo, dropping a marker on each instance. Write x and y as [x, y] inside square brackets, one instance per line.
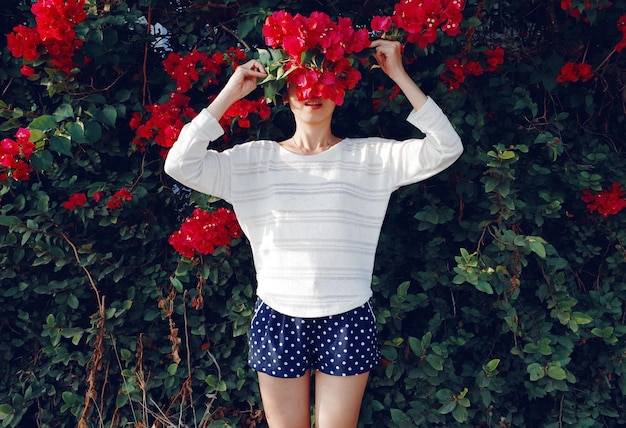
[499, 296]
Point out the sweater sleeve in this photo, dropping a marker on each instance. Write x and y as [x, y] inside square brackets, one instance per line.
[191, 164]
[418, 159]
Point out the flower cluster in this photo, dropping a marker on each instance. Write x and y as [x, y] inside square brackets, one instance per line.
[188, 69]
[576, 7]
[422, 19]
[572, 72]
[163, 122]
[53, 34]
[382, 99]
[204, 231]
[316, 51]
[241, 111]
[608, 202]
[455, 71]
[79, 199]
[117, 200]
[76, 200]
[14, 156]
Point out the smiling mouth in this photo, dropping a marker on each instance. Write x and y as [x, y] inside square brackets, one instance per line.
[313, 104]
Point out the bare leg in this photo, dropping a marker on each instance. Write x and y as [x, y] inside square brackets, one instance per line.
[286, 402]
[338, 400]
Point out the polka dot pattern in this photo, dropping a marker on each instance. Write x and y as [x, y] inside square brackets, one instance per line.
[339, 345]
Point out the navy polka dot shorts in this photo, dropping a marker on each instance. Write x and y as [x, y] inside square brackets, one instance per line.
[339, 345]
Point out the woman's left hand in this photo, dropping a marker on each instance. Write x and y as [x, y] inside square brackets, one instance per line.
[388, 55]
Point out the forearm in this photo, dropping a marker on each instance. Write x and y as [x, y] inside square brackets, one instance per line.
[411, 91]
[221, 103]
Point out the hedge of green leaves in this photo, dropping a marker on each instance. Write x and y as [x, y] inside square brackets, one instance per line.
[499, 284]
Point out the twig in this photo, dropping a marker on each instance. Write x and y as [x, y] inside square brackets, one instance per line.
[232, 33]
[98, 351]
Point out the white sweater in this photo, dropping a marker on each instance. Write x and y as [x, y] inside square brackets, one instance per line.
[313, 221]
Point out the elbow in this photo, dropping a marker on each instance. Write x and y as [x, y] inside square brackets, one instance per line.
[170, 167]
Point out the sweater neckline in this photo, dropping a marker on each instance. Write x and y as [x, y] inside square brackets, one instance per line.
[312, 155]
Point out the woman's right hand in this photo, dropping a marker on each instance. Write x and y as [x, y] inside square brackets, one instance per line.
[243, 81]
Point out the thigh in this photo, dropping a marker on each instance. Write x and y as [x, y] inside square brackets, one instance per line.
[338, 400]
[286, 401]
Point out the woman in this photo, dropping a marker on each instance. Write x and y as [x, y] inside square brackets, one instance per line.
[312, 207]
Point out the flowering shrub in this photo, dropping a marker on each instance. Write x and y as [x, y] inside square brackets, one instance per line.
[498, 286]
[14, 156]
[54, 34]
[204, 231]
[607, 202]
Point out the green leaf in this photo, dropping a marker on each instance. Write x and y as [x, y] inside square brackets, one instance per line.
[399, 416]
[172, 369]
[64, 111]
[44, 123]
[5, 410]
[581, 318]
[484, 286]
[536, 371]
[61, 145]
[537, 247]
[108, 116]
[460, 414]
[76, 131]
[435, 361]
[447, 408]
[9, 220]
[556, 372]
[492, 365]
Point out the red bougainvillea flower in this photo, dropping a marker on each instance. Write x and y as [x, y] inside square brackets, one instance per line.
[117, 200]
[607, 202]
[495, 57]
[572, 72]
[575, 10]
[76, 200]
[14, 156]
[381, 23]
[204, 231]
[621, 26]
[188, 69]
[241, 111]
[97, 196]
[54, 33]
[422, 18]
[456, 70]
[317, 49]
[162, 123]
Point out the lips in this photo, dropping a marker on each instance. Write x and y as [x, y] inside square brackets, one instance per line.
[315, 102]
[313, 105]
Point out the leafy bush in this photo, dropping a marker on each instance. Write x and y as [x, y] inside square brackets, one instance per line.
[499, 284]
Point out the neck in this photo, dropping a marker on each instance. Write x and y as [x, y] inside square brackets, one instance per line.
[313, 140]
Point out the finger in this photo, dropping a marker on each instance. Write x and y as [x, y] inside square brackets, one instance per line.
[254, 66]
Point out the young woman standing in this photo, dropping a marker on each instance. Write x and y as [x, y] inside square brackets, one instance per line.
[312, 207]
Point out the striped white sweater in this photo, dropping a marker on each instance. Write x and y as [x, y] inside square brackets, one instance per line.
[313, 221]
